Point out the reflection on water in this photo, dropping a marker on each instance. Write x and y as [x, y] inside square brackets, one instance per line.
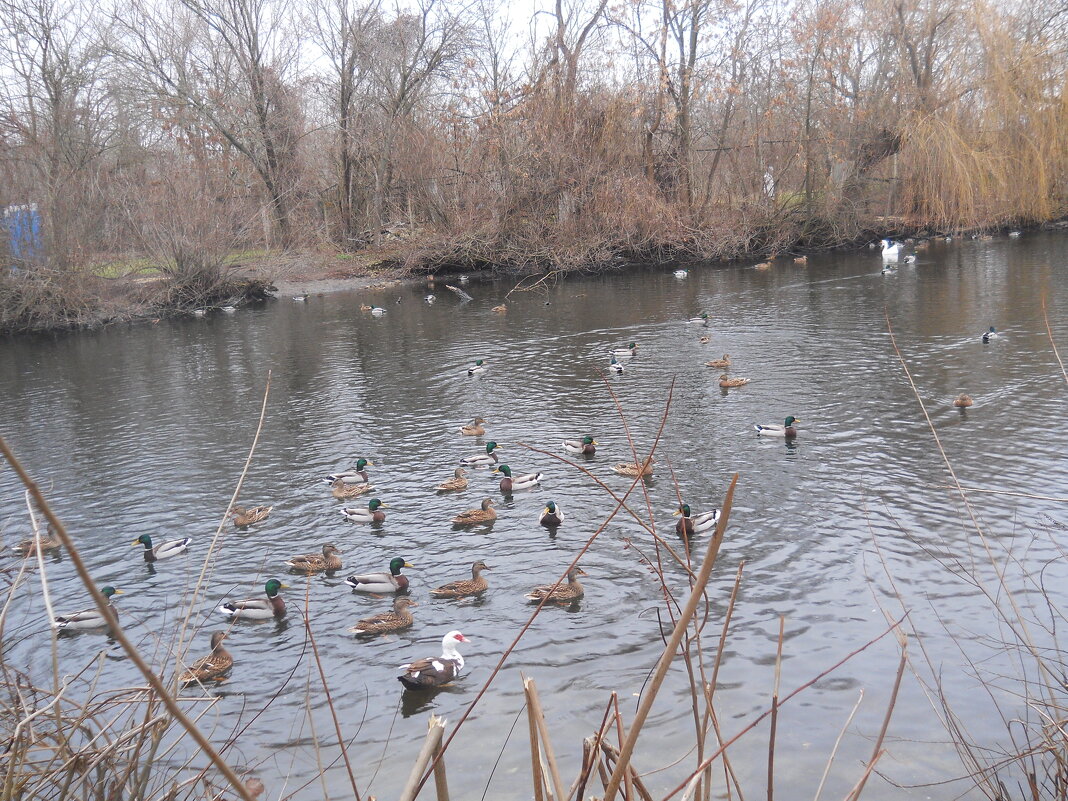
[146, 429]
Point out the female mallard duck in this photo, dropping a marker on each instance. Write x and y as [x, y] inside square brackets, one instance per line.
[482, 459]
[48, 542]
[625, 353]
[764, 265]
[163, 550]
[502, 309]
[615, 366]
[800, 259]
[355, 476]
[963, 401]
[459, 589]
[634, 470]
[787, 429]
[561, 593]
[486, 514]
[474, 428]
[384, 622]
[382, 583]
[690, 524]
[438, 670]
[365, 307]
[246, 517]
[720, 363]
[457, 482]
[372, 514]
[551, 515]
[257, 608]
[478, 367]
[587, 446]
[211, 667]
[343, 492]
[88, 618]
[510, 484]
[329, 559]
[989, 334]
[727, 382]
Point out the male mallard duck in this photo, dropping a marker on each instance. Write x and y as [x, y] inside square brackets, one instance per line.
[382, 583]
[726, 381]
[257, 608]
[482, 459]
[377, 311]
[702, 319]
[474, 428]
[457, 482]
[722, 364]
[459, 589]
[211, 667]
[625, 353]
[963, 401]
[989, 334]
[694, 524]
[430, 299]
[586, 446]
[615, 366]
[478, 367]
[372, 514]
[509, 484]
[384, 622]
[889, 268]
[551, 515]
[163, 550]
[502, 309]
[343, 492]
[563, 593]
[680, 273]
[634, 470]
[48, 542]
[437, 670]
[910, 259]
[87, 618]
[246, 517]
[787, 429]
[358, 475]
[891, 250]
[329, 559]
[486, 514]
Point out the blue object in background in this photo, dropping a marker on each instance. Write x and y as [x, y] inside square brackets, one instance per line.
[23, 226]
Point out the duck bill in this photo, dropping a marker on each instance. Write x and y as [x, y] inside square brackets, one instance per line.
[135, 543]
[408, 564]
[118, 592]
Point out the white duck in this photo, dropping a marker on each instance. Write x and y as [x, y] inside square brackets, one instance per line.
[435, 671]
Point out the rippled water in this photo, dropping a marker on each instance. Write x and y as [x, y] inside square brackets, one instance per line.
[145, 429]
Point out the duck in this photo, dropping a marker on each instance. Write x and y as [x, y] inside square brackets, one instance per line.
[891, 250]
[989, 334]
[701, 319]
[509, 484]
[372, 514]
[587, 446]
[704, 340]
[211, 667]
[329, 559]
[889, 268]
[457, 482]
[482, 459]
[435, 671]
[199, 312]
[377, 311]
[625, 353]
[787, 429]
[48, 542]
[228, 309]
[963, 401]
[615, 366]
[910, 259]
[690, 524]
[475, 585]
[563, 593]
[478, 367]
[800, 259]
[764, 265]
[502, 309]
[429, 299]
[365, 308]
[681, 273]
[358, 475]
[164, 549]
[463, 279]
[87, 618]
[722, 364]
[633, 469]
[246, 517]
[301, 298]
[1015, 234]
[474, 428]
[384, 622]
[551, 515]
[726, 381]
[257, 608]
[485, 514]
[382, 583]
[343, 492]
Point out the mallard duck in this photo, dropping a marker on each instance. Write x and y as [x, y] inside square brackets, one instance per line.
[615, 366]
[1015, 234]
[474, 428]
[365, 307]
[694, 524]
[625, 353]
[246, 517]
[910, 259]
[634, 470]
[704, 340]
[680, 273]
[459, 589]
[429, 299]
[257, 608]
[764, 265]
[562, 593]
[787, 429]
[510, 484]
[163, 550]
[701, 319]
[726, 381]
[87, 618]
[722, 364]
[586, 446]
[551, 515]
[989, 334]
[301, 298]
[478, 367]
[963, 401]
[372, 514]
[48, 542]
[891, 250]
[463, 279]
[384, 622]
[382, 583]
[457, 482]
[377, 311]
[329, 559]
[485, 514]
[482, 459]
[502, 309]
[199, 312]
[358, 475]
[436, 670]
[343, 492]
[228, 309]
[800, 259]
[211, 667]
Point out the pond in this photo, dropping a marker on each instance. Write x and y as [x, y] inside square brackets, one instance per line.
[146, 429]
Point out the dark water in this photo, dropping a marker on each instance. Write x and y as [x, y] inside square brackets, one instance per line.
[146, 429]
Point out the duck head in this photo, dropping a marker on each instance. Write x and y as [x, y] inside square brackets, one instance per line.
[505, 469]
[396, 563]
[273, 586]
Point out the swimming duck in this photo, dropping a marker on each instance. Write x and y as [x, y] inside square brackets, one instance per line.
[625, 353]
[257, 608]
[478, 367]
[564, 593]
[457, 482]
[430, 299]
[365, 308]
[435, 671]
[384, 622]
[502, 309]
[726, 381]
[720, 363]
[800, 259]
[246, 517]
[485, 514]
[463, 279]
[910, 259]
[459, 589]
[963, 401]
[329, 559]
[891, 250]
[301, 298]
[163, 550]
[787, 429]
[634, 470]
[702, 319]
[586, 446]
[680, 273]
[889, 268]
[551, 515]
[377, 311]
[372, 514]
[199, 312]
[211, 667]
[228, 309]
[474, 428]
[509, 484]
[87, 618]
[764, 265]
[48, 542]
[990, 334]
[615, 366]
[342, 491]
[382, 583]
[482, 459]
[1014, 234]
[357, 475]
[705, 340]
[690, 524]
